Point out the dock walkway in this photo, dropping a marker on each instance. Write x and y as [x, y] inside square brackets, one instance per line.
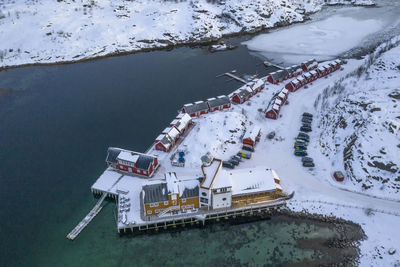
[95, 210]
[233, 77]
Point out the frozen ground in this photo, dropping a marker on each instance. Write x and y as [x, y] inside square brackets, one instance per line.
[63, 31]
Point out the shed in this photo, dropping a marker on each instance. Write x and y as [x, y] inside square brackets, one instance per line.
[273, 112]
[252, 136]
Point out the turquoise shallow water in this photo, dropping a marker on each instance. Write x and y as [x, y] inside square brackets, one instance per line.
[55, 128]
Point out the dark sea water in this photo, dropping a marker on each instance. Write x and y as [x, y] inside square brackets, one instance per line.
[56, 123]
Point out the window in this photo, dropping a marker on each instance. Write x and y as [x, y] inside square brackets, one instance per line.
[204, 200]
[157, 211]
[224, 199]
[153, 205]
[204, 194]
[121, 167]
[166, 203]
[183, 200]
[149, 212]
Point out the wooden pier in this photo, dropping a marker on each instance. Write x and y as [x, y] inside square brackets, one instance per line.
[268, 64]
[95, 210]
[232, 76]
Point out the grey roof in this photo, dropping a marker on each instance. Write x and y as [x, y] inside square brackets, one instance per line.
[243, 93]
[155, 193]
[220, 101]
[196, 107]
[309, 62]
[144, 161]
[188, 193]
[112, 154]
[279, 75]
[292, 69]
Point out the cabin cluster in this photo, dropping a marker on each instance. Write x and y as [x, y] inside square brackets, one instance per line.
[170, 135]
[130, 162]
[313, 72]
[284, 74]
[212, 104]
[245, 92]
[216, 189]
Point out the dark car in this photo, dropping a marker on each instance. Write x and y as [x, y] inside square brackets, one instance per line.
[248, 148]
[306, 120]
[271, 135]
[307, 159]
[306, 114]
[234, 162]
[228, 164]
[304, 134]
[308, 124]
[237, 158]
[305, 129]
[300, 152]
[308, 164]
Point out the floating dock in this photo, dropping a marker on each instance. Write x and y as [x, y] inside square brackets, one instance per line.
[95, 210]
[233, 77]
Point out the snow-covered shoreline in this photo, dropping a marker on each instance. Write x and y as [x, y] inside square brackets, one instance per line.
[47, 32]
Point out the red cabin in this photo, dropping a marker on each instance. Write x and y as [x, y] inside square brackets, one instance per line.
[273, 113]
[309, 65]
[282, 97]
[182, 123]
[258, 86]
[196, 109]
[252, 136]
[293, 85]
[132, 162]
[240, 96]
[164, 143]
[277, 76]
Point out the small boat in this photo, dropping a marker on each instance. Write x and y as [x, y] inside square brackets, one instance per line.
[221, 46]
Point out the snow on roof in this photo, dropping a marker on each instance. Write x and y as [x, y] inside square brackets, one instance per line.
[281, 95]
[295, 81]
[172, 184]
[174, 122]
[258, 84]
[252, 180]
[166, 130]
[189, 188]
[221, 180]
[301, 79]
[166, 141]
[252, 133]
[198, 106]
[285, 91]
[173, 133]
[219, 101]
[313, 72]
[128, 156]
[278, 101]
[276, 107]
[210, 172]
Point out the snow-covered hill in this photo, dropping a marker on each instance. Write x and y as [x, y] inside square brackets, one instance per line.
[44, 31]
[360, 123]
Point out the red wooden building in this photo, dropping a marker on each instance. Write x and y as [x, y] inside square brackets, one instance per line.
[240, 96]
[219, 103]
[309, 65]
[182, 123]
[173, 133]
[164, 143]
[293, 85]
[322, 71]
[277, 76]
[258, 86]
[252, 136]
[196, 109]
[273, 112]
[131, 162]
[283, 97]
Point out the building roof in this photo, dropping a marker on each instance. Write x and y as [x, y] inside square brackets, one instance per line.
[257, 84]
[128, 156]
[310, 62]
[155, 193]
[278, 101]
[144, 161]
[243, 93]
[276, 107]
[252, 180]
[112, 154]
[282, 95]
[189, 192]
[285, 91]
[252, 133]
[173, 133]
[210, 172]
[196, 107]
[165, 140]
[219, 101]
[182, 123]
[279, 75]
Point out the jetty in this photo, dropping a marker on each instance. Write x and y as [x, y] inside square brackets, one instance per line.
[268, 64]
[232, 76]
[95, 210]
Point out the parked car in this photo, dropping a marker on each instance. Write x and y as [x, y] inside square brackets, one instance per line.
[304, 134]
[228, 164]
[236, 158]
[302, 139]
[300, 152]
[307, 159]
[338, 175]
[248, 148]
[308, 164]
[305, 129]
[234, 162]
[307, 124]
[271, 135]
[306, 120]
[246, 155]
[306, 114]
[300, 143]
